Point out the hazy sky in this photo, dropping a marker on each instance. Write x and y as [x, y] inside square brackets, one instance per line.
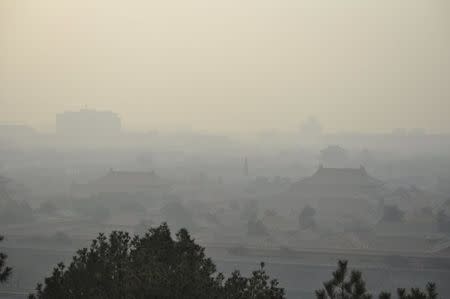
[229, 65]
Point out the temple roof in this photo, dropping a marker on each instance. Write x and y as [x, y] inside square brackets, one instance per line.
[341, 176]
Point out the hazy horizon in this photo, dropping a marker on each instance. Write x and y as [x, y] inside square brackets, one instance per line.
[228, 67]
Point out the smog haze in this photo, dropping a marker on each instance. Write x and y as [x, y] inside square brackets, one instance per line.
[228, 66]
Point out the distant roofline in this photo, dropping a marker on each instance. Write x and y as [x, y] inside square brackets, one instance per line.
[112, 170]
[361, 167]
[87, 110]
[325, 171]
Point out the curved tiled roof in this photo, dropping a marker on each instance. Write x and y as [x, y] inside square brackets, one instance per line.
[341, 176]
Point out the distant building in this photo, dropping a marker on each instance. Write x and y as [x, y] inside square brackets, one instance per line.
[340, 191]
[125, 182]
[88, 122]
[338, 183]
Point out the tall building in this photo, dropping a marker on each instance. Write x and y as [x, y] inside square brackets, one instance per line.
[88, 122]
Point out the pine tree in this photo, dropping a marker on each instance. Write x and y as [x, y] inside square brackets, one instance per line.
[342, 286]
[153, 266]
[5, 272]
[354, 287]
[416, 293]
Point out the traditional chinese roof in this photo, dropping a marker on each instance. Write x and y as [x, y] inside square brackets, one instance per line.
[341, 176]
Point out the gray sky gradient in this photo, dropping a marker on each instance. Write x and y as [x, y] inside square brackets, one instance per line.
[229, 66]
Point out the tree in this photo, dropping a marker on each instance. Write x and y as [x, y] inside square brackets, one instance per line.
[306, 218]
[384, 295]
[154, 266]
[256, 287]
[355, 287]
[416, 293]
[5, 272]
[392, 213]
[343, 287]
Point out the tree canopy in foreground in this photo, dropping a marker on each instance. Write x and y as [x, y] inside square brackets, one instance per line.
[5, 271]
[345, 285]
[152, 266]
[156, 266]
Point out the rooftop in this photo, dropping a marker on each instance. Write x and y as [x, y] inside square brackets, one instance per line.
[341, 176]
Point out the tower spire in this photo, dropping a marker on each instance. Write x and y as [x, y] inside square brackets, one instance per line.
[245, 166]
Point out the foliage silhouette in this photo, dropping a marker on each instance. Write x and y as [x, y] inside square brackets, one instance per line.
[306, 218]
[416, 293]
[152, 266]
[343, 286]
[5, 272]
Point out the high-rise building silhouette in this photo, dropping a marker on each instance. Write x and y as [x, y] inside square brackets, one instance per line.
[245, 166]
